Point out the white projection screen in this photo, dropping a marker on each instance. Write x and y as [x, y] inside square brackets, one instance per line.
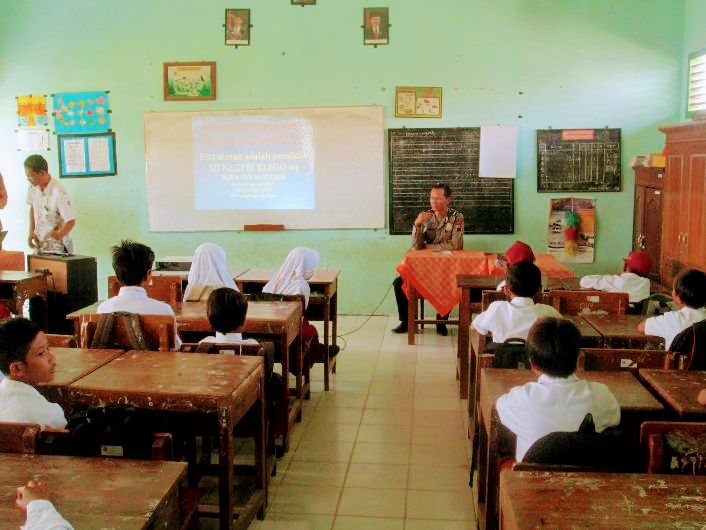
[305, 168]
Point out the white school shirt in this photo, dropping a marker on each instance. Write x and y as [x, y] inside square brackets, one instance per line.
[22, 403]
[637, 287]
[669, 325]
[555, 404]
[134, 299]
[51, 209]
[513, 319]
[228, 338]
[41, 515]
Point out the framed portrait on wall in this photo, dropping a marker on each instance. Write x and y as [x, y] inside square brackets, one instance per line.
[376, 25]
[237, 27]
[189, 81]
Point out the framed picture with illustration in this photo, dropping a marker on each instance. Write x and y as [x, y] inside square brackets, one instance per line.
[237, 27]
[376, 25]
[189, 81]
[417, 102]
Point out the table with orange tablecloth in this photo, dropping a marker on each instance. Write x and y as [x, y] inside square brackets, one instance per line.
[548, 264]
[432, 274]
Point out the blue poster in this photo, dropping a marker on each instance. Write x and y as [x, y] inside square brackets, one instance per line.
[81, 112]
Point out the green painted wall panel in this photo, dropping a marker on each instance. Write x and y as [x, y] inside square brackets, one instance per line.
[558, 63]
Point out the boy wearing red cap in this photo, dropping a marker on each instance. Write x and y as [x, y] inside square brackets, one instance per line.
[518, 252]
[633, 280]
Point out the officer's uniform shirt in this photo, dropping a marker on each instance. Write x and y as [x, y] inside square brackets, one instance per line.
[440, 233]
[51, 209]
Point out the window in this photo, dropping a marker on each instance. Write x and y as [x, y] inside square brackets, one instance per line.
[696, 96]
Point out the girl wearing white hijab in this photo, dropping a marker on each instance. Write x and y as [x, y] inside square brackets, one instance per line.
[292, 276]
[208, 271]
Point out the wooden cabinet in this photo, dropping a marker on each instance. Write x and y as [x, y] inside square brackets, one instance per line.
[647, 221]
[684, 215]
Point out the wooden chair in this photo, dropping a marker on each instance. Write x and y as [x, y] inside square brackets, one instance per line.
[19, 437]
[587, 302]
[609, 359]
[61, 341]
[165, 288]
[158, 330]
[674, 447]
[688, 348]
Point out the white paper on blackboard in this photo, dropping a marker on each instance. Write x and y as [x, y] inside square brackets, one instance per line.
[75, 155]
[98, 154]
[498, 151]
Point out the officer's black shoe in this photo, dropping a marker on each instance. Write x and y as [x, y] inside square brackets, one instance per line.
[441, 330]
[401, 328]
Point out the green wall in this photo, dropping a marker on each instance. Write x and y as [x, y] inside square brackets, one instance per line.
[530, 63]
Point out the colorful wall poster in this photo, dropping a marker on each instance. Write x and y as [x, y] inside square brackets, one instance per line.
[81, 112]
[87, 155]
[32, 111]
[572, 230]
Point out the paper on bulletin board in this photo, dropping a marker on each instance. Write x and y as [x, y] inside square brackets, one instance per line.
[81, 112]
[31, 111]
[498, 151]
[74, 155]
[32, 140]
[586, 211]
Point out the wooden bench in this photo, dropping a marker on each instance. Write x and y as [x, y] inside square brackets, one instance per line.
[674, 447]
[587, 302]
[157, 329]
[591, 359]
[165, 288]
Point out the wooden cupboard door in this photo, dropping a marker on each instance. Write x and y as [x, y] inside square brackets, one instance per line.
[638, 221]
[695, 246]
[672, 231]
[652, 228]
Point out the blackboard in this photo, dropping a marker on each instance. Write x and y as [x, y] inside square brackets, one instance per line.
[419, 158]
[578, 160]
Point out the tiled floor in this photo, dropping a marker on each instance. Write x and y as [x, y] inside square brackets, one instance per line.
[385, 448]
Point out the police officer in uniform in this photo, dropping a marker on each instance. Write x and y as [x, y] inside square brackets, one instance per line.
[440, 228]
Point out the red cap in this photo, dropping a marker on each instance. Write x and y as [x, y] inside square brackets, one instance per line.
[519, 252]
[640, 262]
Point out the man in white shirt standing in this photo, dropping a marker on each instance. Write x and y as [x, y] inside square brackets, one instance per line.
[132, 263]
[51, 217]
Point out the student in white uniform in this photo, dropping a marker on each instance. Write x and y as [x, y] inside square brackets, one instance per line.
[516, 253]
[559, 400]
[208, 271]
[226, 309]
[41, 514]
[51, 217]
[689, 293]
[26, 361]
[132, 263]
[633, 280]
[513, 319]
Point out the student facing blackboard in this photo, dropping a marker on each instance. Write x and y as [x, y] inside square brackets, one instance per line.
[421, 157]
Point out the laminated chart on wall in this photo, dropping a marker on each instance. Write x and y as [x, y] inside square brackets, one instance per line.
[31, 111]
[81, 112]
[87, 155]
[578, 160]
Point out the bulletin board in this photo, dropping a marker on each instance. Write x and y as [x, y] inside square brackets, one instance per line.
[87, 155]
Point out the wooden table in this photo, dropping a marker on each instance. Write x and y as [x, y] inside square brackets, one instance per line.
[74, 363]
[97, 492]
[18, 286]
[636, 404]
[620, 331]
[323, 304]
[221, 388]
[531, 500]
[678, 389]
[184, 275]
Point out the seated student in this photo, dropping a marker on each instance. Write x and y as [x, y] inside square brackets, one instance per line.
[633, 280]
[26, 360]
[226, 309]
[513, 319]
[208, 270]
[516, 253]
[291, 278]
[558, 401]
[132, 263]
[41, 514]
[689, 293]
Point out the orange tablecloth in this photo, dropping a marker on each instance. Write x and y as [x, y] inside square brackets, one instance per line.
[433, 274]
[12, 260]
[548, 264]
